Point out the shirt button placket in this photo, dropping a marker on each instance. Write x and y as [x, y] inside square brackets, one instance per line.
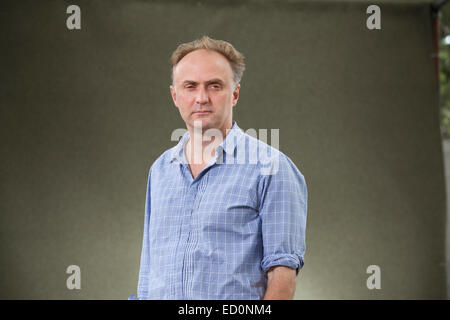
[185, 233]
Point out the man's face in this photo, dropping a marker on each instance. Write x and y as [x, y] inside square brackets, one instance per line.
[203, 91]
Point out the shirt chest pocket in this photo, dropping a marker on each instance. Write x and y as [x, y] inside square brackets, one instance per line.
[230, 211]
[166, 213]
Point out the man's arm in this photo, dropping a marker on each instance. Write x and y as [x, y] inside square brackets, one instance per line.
[281, 282]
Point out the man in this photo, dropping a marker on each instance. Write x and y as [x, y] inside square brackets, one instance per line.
[217, 224]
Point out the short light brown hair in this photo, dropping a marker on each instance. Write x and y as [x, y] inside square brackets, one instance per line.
[234, 57]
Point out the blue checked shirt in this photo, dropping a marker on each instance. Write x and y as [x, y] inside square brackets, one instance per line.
[216, 236]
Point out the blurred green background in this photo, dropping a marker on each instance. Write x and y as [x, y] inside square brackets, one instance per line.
[444, 76]
[84, 113]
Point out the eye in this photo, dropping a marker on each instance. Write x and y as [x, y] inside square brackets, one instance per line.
[215, 86]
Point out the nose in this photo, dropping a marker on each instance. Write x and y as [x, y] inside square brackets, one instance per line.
[202, 96]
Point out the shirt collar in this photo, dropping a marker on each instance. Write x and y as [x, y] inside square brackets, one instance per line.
[227, 145]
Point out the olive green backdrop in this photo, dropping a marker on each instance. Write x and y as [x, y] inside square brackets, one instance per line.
[84, 113]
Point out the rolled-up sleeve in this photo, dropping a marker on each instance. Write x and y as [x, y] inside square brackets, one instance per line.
[283, 211]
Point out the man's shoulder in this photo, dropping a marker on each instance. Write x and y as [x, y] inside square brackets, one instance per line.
[265, 152]
[269, 157]
[164, 159]
[252, 141]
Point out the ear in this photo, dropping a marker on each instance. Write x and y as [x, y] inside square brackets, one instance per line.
[236, 94]
[174, 95]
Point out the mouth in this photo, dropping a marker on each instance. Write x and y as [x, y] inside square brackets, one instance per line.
[202, 112]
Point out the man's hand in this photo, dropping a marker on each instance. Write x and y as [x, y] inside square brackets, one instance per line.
[281, 282]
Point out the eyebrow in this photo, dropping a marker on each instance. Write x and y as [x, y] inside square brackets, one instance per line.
[215, 80]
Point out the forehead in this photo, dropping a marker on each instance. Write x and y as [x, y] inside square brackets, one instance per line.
[202, 65]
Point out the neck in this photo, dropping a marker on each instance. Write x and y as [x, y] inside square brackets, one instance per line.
[202, 143]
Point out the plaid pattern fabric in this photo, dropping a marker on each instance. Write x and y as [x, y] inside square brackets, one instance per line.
[215, 236]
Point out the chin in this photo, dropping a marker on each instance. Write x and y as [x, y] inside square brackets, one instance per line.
[204, 124]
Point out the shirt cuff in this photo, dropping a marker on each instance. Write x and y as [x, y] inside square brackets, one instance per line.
[282, 259]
